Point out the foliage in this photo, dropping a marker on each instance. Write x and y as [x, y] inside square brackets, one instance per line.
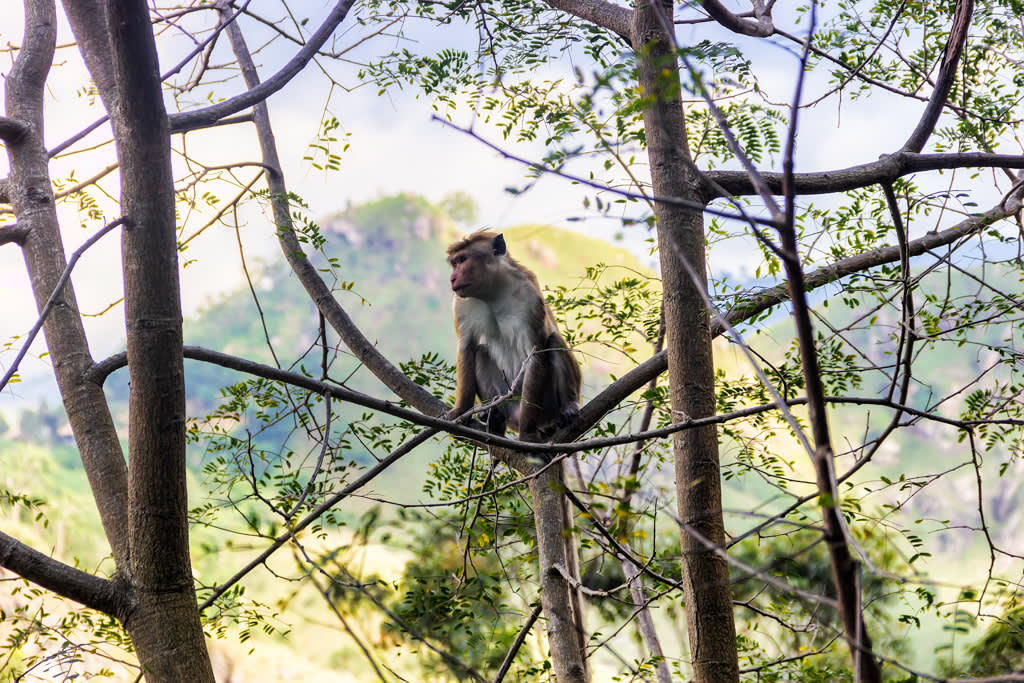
[462, 593]
[915, 352]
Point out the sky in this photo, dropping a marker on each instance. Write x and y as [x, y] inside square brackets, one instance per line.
[394, 147]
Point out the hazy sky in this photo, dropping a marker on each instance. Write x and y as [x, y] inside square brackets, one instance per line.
[394, 147]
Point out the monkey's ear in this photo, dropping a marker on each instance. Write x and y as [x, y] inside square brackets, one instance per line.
[499, 245]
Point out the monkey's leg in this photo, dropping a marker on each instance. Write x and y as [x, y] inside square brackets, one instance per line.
[532, 404]
[490, 382]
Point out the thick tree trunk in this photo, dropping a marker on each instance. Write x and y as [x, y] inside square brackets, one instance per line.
[142, 507]
[709, 614]
[557, 561]
[164, 623]
[43, 249]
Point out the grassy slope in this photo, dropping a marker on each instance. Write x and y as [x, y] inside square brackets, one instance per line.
[386, 306]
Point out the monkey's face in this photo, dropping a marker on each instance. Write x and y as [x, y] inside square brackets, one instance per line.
[476, 265]
[470, 270]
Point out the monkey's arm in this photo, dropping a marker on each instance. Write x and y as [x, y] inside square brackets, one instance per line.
[531, 403]
[567, 379]
[465, 380]
[535, 400]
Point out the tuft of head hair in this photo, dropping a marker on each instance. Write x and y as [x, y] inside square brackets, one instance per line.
[489, 236]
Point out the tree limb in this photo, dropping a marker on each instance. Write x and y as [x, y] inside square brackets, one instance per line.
[207, 115]
[13, 233]
[947, 74]
[106, 595]
[90, 30]
[510, 656]
[99, 372]
[760, 27]
[12, 131]
[761, 301]
[886, 169]
[605, 14]
[58, 291]
[31, 197]
[299, 261]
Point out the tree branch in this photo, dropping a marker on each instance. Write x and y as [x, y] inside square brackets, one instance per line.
[31, 196]
[510, 656]
[947, 74]
[89, 27]
[886, 169]
[13, 233]
[300, 263]
[760, 27]
[58, 291]
[13, 131]
[208, 115]
[106, 595]
[605, 14]
[100, 371]
[90, 31]
[845, 570]
[749, 306]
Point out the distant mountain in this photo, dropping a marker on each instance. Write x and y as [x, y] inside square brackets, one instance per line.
[386, 263]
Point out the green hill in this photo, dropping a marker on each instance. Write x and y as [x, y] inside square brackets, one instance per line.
[386, 262]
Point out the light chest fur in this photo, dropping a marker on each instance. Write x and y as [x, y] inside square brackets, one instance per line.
[506, 326]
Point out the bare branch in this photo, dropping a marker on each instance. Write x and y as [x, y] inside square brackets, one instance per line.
[13, 234]
[57, 292]
[510, 656]
[760, 27]
[87, 182]
[845, 570]
[605, 14]
[886, 169]
[100, 371]
[947, 74]
[203, 117]
[106, 595]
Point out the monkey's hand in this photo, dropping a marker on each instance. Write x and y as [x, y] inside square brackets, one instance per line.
[531, 437]
[464, 417]
[457, 415]
[568, 416]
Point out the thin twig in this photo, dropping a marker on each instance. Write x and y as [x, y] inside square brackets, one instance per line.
[52, 301]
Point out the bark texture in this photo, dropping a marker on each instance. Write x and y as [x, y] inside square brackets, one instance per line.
[560, 599]
[31, 197]
[164, 624]
[705, 575]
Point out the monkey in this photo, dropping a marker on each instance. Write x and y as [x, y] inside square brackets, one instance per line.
[506, 332]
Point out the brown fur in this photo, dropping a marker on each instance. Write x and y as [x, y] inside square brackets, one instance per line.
[508, 341]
